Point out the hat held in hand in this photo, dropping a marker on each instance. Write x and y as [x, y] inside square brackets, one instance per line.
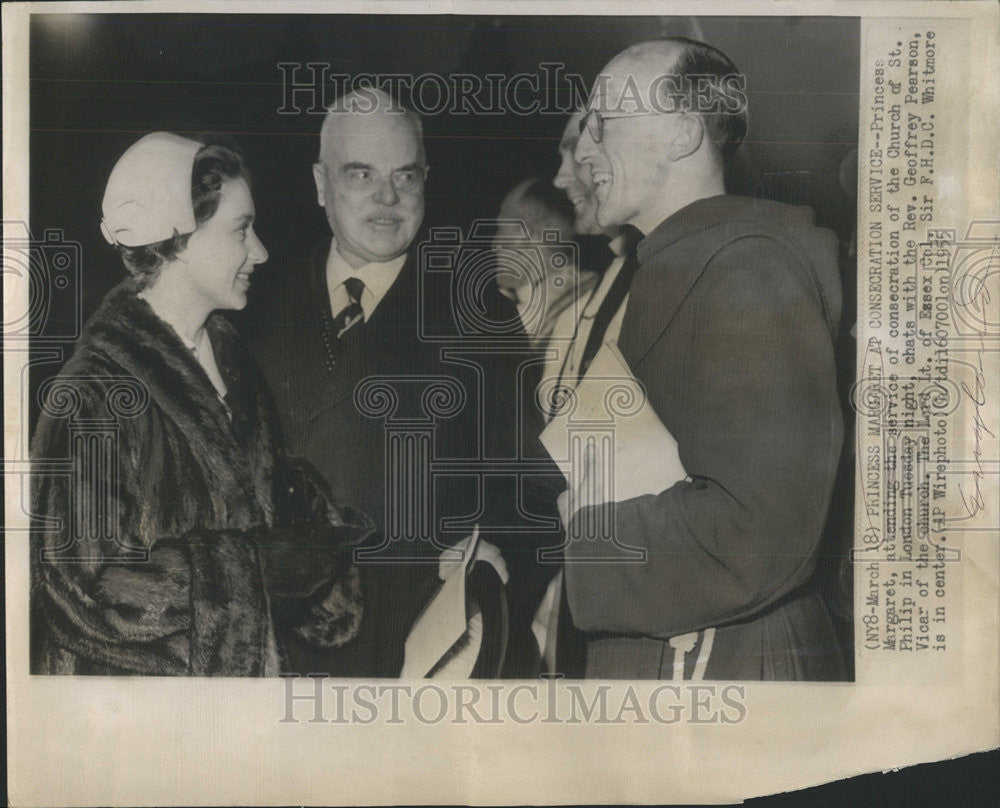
[148, 196]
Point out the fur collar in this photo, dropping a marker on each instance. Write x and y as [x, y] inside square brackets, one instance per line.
[126, 333]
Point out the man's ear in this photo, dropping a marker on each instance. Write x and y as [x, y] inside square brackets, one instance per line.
[319, 177]
[688, 133]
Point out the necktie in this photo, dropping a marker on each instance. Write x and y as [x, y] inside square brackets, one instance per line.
[352, 312]
[612, 300]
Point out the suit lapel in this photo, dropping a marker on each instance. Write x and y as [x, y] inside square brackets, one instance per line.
[399, 305]
[334, 383]
[352, 355]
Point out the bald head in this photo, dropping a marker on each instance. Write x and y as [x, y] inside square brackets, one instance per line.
[662, 118]
[364, 112]
[633, 73]
[677, 74]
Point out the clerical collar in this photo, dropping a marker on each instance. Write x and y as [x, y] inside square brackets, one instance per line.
[626, 234]
[377, 277]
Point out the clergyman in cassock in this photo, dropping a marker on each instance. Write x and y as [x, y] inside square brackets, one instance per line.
[729, 326]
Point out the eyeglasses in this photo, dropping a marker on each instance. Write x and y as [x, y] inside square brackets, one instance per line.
[593, 121]
[404, 180]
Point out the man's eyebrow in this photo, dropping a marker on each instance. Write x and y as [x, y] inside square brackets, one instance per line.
[410, 167]
[356, 166]
[246, 218]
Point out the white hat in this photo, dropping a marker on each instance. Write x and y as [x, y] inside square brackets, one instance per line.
[148, 196]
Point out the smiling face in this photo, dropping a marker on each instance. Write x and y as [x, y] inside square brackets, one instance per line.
[370, 180]
[221, 254]
[574, 178]
[630, 167]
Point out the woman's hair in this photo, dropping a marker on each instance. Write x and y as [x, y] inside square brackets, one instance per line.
[214, 163]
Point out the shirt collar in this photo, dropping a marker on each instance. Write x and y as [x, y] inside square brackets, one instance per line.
[377, 277]
[617, 245]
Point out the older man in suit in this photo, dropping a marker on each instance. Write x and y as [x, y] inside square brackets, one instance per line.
[356, 309]
[729, 325]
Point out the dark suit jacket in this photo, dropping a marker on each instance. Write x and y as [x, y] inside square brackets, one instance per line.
[729, 326]
[322, 418]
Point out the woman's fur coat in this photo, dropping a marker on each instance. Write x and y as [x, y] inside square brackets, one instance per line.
[156, 510]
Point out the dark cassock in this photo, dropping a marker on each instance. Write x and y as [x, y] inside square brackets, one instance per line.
[730, 327]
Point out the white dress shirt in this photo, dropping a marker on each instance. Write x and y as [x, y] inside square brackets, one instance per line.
[377, 278]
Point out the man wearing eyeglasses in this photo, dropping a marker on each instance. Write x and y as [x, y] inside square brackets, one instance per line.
[353, 311]
[729, 325]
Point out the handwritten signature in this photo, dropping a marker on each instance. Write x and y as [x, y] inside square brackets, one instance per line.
[975, 503]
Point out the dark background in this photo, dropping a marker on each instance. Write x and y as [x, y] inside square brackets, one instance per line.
[99, 82]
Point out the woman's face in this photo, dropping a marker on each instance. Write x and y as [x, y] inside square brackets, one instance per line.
[222, 253]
